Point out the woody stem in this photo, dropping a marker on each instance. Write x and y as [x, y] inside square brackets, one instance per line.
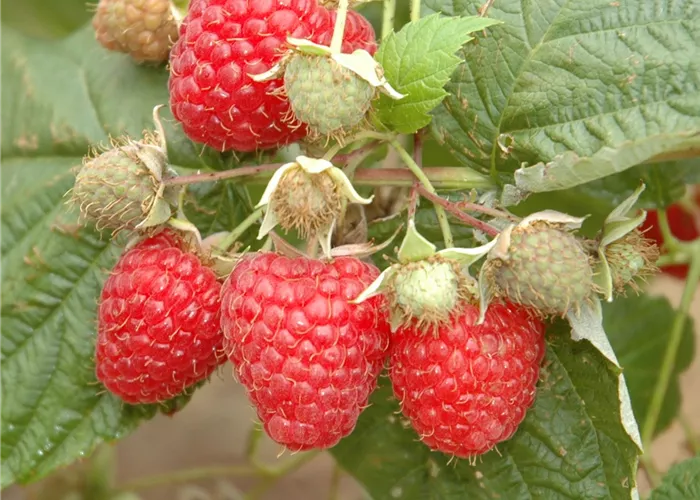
[251, 171]
[493, 212]
[461, 178]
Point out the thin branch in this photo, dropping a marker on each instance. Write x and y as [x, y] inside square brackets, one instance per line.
[413, 200]
[441, 177]
[493, 212]
[418, 148]
[485, 8]
[240, 229]
[388, 15]
[184, 180]
[346, 158]
[455, 211]
[425, 183]
[190, 475]
[418, 158]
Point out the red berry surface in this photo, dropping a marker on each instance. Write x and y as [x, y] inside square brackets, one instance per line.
[684, 225]
[159, 322]
[221, 43]
[468, 387]
[308, 358]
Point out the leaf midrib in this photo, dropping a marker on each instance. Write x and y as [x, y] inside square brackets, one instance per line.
[527, 60]
[88, 270]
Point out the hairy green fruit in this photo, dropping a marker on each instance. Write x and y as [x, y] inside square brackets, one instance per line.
[306, 202]
[545, 268]
[144, 29]
[632, 257]
[122, 188]
[328, 98]
[426, 289]
[427, 293]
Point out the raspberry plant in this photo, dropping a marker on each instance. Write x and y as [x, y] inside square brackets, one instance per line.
[419, 234]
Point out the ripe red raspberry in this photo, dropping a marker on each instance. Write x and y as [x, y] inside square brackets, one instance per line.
[684, 225]
[467, 387]
[159, 330]
[221, 43]
[307, 357]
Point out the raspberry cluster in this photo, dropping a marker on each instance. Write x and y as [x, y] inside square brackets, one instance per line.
[307, 348]
[308, 337]
[307, 353]
[684, 223]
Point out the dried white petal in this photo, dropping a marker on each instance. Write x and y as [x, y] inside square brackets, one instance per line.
[274, 182]
[366, 67]
[269, 222]
[555, 217]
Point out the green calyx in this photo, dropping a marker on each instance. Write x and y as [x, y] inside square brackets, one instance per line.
[330, 99]
[622, 253]
[426, 287]
[122, 188]
[544, 267]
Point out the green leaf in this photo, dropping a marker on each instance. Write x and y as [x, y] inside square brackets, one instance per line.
[418, 62]
[638, 328]
[426, 224]
[571, 444]
[46, 19]
[53, 411]
[665, 182]
[587, 324]
[562, 76]
[569, 170]
[681, 482]
[215, 207]
[57, 99]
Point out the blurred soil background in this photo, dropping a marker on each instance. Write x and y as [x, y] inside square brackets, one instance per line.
[213, 429]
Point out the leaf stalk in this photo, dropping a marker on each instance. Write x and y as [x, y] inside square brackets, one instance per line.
[672, 347]
[388, 16]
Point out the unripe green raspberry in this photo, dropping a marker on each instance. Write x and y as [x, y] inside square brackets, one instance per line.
[631, 257]
[306, 202]
[119, 188]
[427, 292]
[545, 268]
[328, 98]
[144, 29]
